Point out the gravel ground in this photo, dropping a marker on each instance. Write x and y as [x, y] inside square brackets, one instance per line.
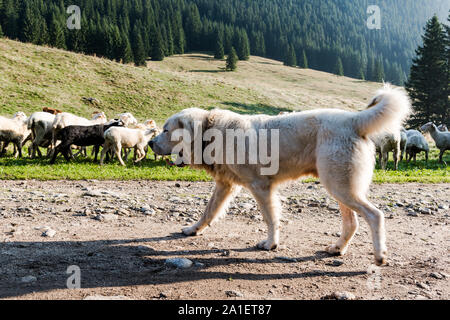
[125, 239]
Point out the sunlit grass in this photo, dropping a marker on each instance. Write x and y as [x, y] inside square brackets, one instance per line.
[149, 169]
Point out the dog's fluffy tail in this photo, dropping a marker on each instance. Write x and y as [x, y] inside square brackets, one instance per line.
[386, 112]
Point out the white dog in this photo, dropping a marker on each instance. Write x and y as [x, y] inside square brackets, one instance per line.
[327, 143]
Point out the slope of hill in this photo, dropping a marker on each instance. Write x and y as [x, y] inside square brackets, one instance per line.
[33, 77]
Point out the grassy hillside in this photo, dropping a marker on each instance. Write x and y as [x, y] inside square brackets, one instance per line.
[33, 77]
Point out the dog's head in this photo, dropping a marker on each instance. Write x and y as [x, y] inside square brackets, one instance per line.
[188, 123]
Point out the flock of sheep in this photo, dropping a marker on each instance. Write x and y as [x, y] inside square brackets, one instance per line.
[46, 128]
[411, 142]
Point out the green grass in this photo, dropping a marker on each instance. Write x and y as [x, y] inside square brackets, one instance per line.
[85, 168]
[33, 77]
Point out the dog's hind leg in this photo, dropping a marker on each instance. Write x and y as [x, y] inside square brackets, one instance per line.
[349, 227]
[223, 194]
[270, 207]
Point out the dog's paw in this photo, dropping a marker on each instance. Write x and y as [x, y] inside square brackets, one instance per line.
[267, 245]
[335, 250]
[381, 259]
[189, 231]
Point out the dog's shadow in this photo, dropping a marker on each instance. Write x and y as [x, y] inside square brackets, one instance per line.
[130, 262]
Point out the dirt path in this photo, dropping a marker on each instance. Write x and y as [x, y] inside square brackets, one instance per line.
[120, 234]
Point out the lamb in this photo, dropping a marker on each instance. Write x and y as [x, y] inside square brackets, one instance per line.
[385, 143]
[416, 143]
[65, 119]
[118, 138]
[128, 119]
[14, 130]
[442, 127]
[82, 136]
[442, 139]
[40, 124]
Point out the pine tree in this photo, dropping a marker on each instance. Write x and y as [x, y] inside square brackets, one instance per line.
[291, 59]
[304, 61]
[193, 27]
[371, 69]
[157, 48]
[57, 37]
[361, 74]
[378, 71]
[138, 49]
[243, 46]
[30, 26]
[428, 80]
[219, 51]
[338, 67]
[1, 31]
[10, 19]
[125, 53]
[232, 60]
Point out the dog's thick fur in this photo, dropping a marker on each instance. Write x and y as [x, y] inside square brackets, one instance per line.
[327, 143]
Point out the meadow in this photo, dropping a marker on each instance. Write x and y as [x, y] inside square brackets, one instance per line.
[33, 77]
[149, 169]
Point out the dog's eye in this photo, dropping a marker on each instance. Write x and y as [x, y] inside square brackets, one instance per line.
[165, 131]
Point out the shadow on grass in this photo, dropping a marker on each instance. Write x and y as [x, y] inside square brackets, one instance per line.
[130, 262]
[257, 108]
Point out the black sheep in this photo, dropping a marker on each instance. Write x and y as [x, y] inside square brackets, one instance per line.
[82, 136]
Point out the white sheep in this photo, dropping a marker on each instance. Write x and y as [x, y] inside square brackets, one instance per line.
[41, 125]
[385, 143]
[442, 139]
[128, 119]
[416, 143]
[147, 125]
[14, 130]
[117, 138]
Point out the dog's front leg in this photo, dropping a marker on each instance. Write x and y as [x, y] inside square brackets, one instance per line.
[270, 207]
[223, 194]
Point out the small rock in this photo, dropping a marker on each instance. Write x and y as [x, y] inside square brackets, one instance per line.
[233, 294]
[180, 263]
[412, 214]
[177, 185]
[50, 233]
[92, 193]
[333, 207]
[423, 286]
[340, 296]
[335, 263]
[105, 217]
[28, 279]
[436, 275]
[425, 211]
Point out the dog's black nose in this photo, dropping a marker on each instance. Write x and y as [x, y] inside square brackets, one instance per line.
[151, 143]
